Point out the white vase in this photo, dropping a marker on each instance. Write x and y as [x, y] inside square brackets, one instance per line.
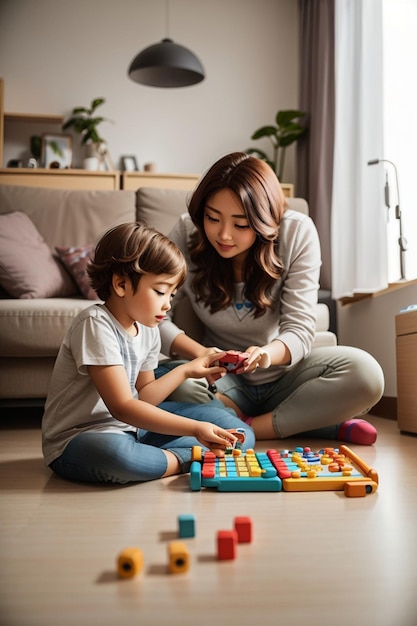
[91, 163]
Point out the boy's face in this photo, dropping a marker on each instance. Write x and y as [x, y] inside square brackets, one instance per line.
[151, 301]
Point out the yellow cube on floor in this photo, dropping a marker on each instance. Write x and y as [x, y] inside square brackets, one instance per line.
[179, 558]
[129, 562]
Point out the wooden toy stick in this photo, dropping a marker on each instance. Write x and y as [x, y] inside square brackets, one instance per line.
[364, 467]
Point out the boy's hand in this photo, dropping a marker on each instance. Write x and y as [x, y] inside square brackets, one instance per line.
[213, 437]
[203, 367]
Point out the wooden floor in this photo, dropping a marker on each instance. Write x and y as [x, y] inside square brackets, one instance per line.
[317, 558]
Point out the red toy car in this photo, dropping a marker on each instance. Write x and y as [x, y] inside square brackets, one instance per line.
[233, 360]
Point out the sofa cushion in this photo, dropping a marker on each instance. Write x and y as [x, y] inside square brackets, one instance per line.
[36, 328]
[161, 208]
[66, 217]
[76, 259]
[27, 267]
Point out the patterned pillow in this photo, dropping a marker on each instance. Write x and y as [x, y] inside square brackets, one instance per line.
[28, 268]
[75, 259]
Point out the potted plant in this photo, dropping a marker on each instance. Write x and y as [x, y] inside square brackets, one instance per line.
[85, 122]
[286, 131]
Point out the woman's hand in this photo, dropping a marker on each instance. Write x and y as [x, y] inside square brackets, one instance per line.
[213, 437]
[258, 357]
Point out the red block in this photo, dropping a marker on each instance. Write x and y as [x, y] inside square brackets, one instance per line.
[226, 545]
[243, 527]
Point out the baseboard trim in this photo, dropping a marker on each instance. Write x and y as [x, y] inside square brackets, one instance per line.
[386, 407]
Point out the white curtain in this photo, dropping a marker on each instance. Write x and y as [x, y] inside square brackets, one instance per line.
[400, 131]
[359, 235]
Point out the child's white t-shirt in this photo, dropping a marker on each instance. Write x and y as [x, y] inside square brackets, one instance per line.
[73, 404]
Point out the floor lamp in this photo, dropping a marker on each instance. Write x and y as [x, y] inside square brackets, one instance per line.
[402, 241]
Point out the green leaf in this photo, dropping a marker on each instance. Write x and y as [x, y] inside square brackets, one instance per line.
[265, 131]
[96, 103]
[281, 136]
[289, 138]
[78, 110]
[283, 118]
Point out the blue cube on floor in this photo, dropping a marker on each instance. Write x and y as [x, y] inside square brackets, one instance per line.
[186, 525]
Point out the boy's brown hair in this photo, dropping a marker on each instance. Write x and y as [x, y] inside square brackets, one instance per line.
[133, 249]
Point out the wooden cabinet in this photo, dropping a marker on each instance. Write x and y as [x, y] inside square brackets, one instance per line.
[133, 180]
[406, 352]
[60, 179]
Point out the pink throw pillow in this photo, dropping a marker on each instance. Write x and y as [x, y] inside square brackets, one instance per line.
[28, 268]
[75, 259]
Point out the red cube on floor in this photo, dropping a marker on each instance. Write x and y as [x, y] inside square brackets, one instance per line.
[226, 545]
[243, 527]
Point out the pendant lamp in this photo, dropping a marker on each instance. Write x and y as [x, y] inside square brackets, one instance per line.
[166, 64]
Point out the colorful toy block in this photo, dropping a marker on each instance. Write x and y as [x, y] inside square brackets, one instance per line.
[243, 527]
[129, 562]
[186, 525]
[178, 557]
[226, 545]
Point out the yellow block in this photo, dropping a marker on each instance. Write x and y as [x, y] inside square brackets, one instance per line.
[129, 562]
[179, 558]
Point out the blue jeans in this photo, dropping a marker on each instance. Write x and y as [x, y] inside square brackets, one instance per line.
[137, 456]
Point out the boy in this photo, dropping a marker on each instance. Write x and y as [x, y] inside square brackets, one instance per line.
[105, 419]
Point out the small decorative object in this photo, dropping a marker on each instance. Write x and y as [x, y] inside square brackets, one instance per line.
[56, 151]
[149, 167]
[30, 163]
[129, 164]
[286, 131]
[85, 122]
[36, 148]
[91, 163]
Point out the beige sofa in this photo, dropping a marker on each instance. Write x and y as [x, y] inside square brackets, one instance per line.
[32, 328]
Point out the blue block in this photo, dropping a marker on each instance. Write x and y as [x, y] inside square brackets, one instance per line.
[186, 525]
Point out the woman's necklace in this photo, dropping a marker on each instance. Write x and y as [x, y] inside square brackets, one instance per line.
[247, 305]
[242, 306]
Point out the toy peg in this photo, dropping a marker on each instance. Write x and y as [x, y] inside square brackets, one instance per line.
[129, 562]
[179, 558]
[196, 453]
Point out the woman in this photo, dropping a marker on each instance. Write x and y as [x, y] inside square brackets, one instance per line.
[253, 283]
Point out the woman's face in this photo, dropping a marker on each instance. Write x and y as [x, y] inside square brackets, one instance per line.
[227, 227]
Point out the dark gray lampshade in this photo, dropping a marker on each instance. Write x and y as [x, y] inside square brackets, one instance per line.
[166, 64]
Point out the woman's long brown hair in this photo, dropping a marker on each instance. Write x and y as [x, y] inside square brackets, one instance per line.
[258, 189]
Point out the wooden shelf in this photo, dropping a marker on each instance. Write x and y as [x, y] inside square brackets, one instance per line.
[34, 118]
[60, 179]
[357, 297]
[134, 180]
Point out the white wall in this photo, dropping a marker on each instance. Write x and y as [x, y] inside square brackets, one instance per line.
[55, 55]
[370, 324]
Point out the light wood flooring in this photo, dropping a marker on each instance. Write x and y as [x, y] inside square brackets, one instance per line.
[317, 558]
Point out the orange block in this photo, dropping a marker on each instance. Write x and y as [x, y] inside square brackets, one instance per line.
[129, 562]
[179, 558]
[359, 488]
